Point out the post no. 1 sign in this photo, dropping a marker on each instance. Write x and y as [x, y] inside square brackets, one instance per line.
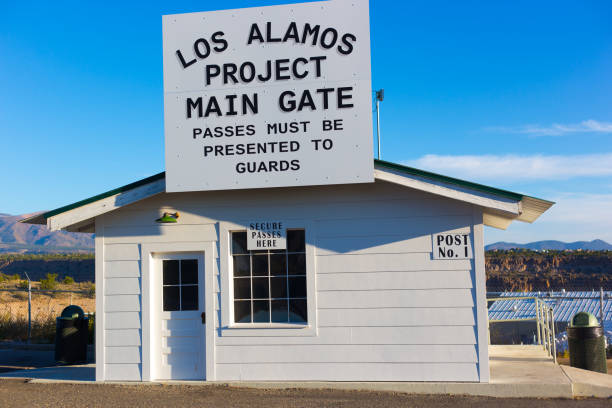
[268, 97]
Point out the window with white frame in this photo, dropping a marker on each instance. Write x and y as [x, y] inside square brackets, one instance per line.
[270, 285]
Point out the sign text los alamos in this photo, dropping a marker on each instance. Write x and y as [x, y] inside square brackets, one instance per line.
[268, 97]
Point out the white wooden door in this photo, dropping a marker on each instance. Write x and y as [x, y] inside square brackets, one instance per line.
[181, 322]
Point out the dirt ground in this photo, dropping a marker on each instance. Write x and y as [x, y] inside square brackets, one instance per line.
[17, 393]
[44, 304]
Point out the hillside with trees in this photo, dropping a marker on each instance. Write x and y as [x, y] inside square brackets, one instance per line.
[524, 269]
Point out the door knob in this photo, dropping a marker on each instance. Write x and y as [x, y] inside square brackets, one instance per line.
[203, 317]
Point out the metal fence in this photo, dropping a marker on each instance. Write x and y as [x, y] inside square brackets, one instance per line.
[544, 316]
[12, 317]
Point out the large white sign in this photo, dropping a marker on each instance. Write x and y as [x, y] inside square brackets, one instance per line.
[268, 97]
[452, 245]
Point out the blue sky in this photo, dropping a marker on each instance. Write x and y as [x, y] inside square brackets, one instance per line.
[513, 94]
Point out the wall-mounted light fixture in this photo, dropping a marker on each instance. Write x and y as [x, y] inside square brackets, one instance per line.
[168, 218]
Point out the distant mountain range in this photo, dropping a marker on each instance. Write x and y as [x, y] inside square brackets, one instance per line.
[35, 239]
[595, 245]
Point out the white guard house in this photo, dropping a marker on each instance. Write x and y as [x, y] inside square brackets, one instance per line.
[380, 281]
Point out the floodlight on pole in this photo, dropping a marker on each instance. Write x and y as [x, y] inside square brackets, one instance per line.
[380, 95]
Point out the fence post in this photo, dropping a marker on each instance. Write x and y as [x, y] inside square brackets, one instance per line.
[601, 306]
[29, 308]
[537, 310]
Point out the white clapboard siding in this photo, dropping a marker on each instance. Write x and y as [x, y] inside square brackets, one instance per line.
[147, 216]
[316, 204]
[414, 335]
[122, 320]
[122, 286]
[380, 191]
[123, 372]
[439, 316]
[358, 299]
[343, 353]
[160, 233]
[386, 311]
[122, 252]
[349, 372]
[125, 337]
[387, 226]
[325, 335]
[122, 303]
[122, 269]
[387, 263]
[394, 280]
[122, 355]
[375, 244]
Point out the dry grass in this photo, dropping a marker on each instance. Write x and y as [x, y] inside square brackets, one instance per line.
[45, 308]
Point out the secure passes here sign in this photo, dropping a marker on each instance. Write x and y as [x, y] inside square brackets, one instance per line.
[268, 97]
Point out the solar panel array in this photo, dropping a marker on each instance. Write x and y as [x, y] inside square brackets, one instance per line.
[565, 305]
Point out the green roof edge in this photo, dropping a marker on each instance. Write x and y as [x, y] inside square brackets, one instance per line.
[455, 181]
[394, 166]
[109, 193]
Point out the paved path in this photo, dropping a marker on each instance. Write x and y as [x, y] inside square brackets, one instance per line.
[516, 371]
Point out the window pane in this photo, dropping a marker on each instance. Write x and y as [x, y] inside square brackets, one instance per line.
[242, 311]
[239, 243]
[279, 311]
[189, 271]
[297, 311]
[242, 288]
[296, 241]
[260, 265]
[171, 298]
[297, 287]
[297, 264]
[189, 297]
[278, 287]
[242, 265]
[260, 288]
[261, 311]
[278, 264]
[171, 272]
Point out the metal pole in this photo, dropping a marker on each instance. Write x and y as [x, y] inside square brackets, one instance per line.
[378, 125]
[29, 308]
[601, 306]
[538, 324]
[554, 340]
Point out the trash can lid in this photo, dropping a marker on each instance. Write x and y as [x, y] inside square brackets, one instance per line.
[584, 319]
[73, 312]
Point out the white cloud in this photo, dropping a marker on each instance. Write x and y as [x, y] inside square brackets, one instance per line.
[556, 129]
[574, 217]
[517, 167]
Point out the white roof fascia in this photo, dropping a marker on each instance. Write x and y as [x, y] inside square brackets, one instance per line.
[104, 205]
[511, 208]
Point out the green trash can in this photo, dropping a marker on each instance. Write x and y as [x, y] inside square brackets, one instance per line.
[587, 344]
[71, 334]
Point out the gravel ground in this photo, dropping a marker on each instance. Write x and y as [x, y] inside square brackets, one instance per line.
[17, 393]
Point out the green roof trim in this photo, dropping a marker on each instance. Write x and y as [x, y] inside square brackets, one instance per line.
[451, 180]
[385, 164]
[123, 189]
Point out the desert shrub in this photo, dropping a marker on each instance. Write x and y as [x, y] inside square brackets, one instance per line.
[15, 328]
[49, 283]
[20, 295]
[68, 280]
[23, 285]
[3, 278]
[91, 292]
[14, 277]
[91, 328]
